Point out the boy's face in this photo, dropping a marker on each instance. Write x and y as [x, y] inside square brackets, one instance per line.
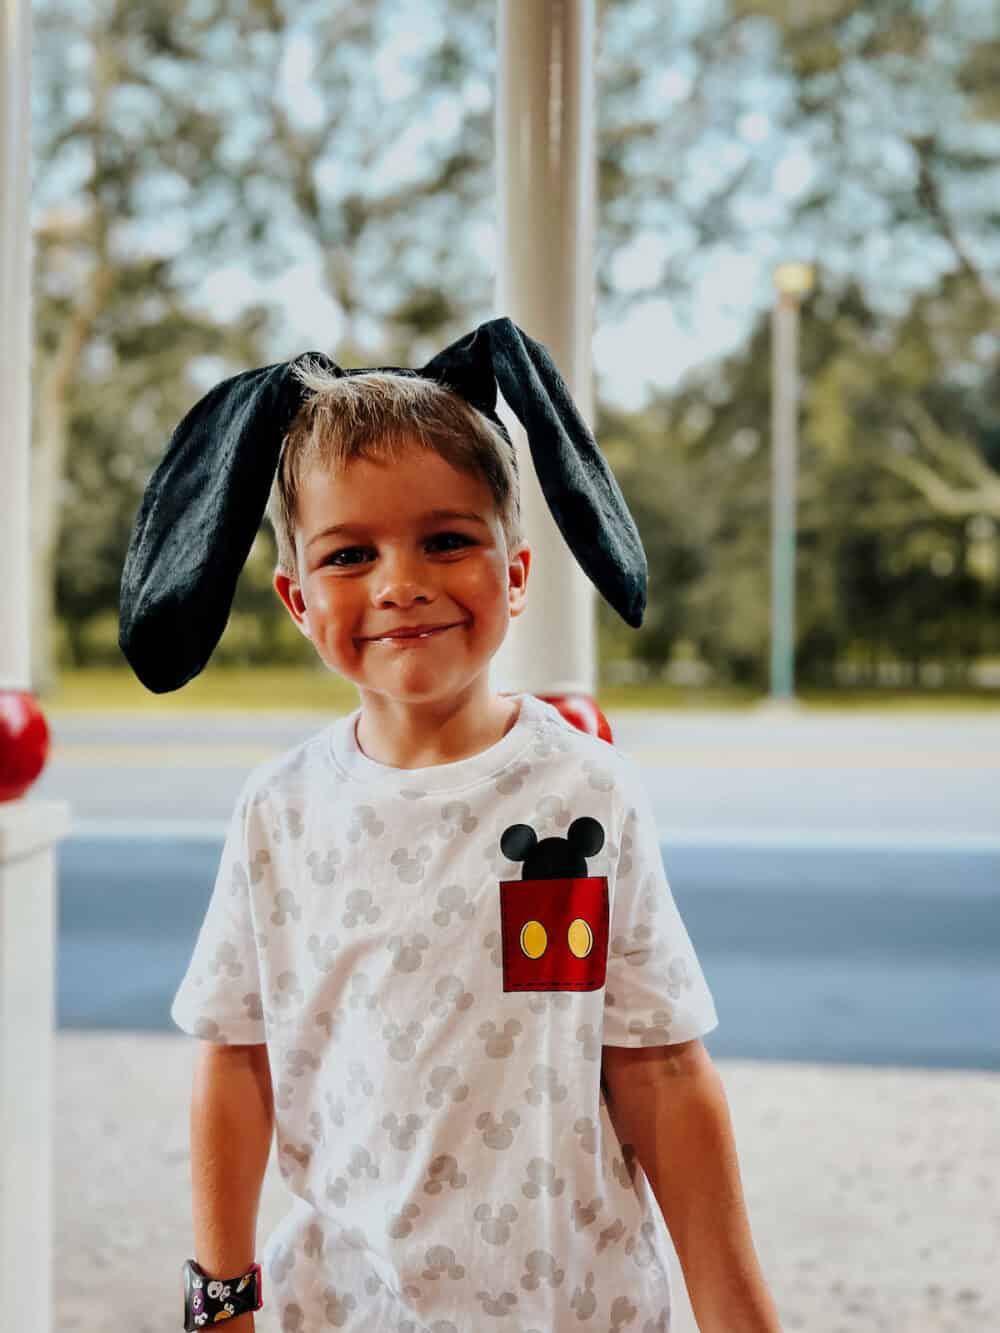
[396, 566]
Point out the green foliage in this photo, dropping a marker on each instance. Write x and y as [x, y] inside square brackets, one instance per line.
[878, 562]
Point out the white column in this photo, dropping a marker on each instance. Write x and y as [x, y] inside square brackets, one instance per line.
[15, 339]
[28, 833]
[28, 830]
[546, 207]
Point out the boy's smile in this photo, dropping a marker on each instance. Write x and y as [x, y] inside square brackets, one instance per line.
[403, 638]
[407, 588]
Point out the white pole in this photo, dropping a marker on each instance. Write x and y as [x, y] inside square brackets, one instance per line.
[28, 829]
[15, 340]
[546, 207]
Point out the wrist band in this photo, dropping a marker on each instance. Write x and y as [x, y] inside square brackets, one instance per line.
[208, 1300]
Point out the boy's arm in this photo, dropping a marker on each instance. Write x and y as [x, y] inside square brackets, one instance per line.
[232, 1122]
[670, 1104]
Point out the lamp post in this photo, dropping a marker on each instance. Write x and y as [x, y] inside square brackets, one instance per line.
[793, 281]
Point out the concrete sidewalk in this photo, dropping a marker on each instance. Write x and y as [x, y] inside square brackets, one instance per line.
[874, 1194]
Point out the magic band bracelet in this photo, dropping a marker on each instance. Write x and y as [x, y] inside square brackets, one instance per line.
[209, 1300]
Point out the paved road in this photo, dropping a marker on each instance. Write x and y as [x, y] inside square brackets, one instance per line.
[840, 875]
[708, 774]
[851, 954]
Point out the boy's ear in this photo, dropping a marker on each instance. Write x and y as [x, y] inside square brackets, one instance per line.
[291, 595]
[517, 578]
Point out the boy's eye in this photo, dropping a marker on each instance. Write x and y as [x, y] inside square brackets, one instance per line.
[333, 557]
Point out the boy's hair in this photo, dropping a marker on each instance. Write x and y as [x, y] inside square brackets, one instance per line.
[378, 415]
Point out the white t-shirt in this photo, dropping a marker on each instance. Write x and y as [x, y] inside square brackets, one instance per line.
[434, 986]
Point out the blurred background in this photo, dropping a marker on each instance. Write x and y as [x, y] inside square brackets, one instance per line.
[218, 186]
[221, 185]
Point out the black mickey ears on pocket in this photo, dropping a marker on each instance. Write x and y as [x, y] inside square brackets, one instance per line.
[205, 500]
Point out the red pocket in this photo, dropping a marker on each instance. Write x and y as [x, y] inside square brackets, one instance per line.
[555, 933]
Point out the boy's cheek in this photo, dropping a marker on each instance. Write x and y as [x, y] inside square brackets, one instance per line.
[485, 582]
[324, 604]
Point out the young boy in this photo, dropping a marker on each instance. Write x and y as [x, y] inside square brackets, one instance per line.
[441, 957]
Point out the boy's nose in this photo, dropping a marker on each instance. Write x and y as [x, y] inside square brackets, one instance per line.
[402, 582]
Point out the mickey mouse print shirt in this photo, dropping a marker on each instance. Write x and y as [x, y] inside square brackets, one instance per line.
[435, 958]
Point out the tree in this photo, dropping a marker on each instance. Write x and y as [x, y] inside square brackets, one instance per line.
[145, 191]
[877, 562]
[111, 315]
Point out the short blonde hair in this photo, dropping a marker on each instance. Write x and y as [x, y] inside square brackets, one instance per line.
[378, 415]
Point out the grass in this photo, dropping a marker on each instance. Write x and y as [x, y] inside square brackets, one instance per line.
[294, 689]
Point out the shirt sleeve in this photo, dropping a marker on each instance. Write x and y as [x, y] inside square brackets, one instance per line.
[219, 998]
[655, 991]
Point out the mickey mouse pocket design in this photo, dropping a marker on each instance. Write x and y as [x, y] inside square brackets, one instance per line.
[554, 919]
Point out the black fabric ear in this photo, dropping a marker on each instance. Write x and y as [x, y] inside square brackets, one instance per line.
[579, 488]
[200, 513]
[466, 367]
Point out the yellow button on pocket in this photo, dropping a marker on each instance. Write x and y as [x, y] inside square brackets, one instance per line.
[581, 938]
[533, 939]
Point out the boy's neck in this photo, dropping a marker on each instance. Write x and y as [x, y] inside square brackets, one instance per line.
[424, 735]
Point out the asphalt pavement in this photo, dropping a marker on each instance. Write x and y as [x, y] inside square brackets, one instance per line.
[851, 954]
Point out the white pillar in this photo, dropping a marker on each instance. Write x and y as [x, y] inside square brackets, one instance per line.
[28, 833]
[546, 207]
[28, 830]
[15, 338]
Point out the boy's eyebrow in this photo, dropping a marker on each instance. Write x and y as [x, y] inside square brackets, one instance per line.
[430, 515]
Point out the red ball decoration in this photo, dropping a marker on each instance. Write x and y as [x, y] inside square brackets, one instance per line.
[24, 742]
[582, 711]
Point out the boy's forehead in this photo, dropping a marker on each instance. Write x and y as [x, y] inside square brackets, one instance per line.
[428, 486]
[419, 470]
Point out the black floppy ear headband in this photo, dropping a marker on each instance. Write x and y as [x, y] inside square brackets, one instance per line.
[203, 504]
